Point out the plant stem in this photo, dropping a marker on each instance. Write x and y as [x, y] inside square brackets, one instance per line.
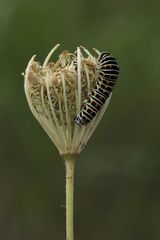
[69, 163]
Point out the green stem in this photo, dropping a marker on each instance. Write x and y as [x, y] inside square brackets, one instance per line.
[69, 163]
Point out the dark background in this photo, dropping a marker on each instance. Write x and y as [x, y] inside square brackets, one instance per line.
[117, 182]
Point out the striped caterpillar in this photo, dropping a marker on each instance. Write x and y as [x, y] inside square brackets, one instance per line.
[108, 75]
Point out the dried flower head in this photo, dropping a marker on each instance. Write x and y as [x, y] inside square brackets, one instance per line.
[55, 93]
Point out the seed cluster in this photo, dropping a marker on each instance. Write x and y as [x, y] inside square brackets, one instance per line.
[56, 92]
[53, 87]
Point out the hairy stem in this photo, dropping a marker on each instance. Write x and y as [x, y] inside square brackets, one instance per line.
[69, 163]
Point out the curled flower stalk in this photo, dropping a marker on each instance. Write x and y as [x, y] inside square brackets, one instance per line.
[55, 92]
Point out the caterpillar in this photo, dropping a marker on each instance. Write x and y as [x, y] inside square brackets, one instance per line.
[108, 74]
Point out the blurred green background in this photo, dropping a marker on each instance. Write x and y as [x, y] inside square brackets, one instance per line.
[117, 182]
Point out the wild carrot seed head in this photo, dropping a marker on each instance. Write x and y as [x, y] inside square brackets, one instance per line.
[55, 92]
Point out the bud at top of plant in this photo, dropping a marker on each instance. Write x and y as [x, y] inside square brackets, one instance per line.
[56, 92]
